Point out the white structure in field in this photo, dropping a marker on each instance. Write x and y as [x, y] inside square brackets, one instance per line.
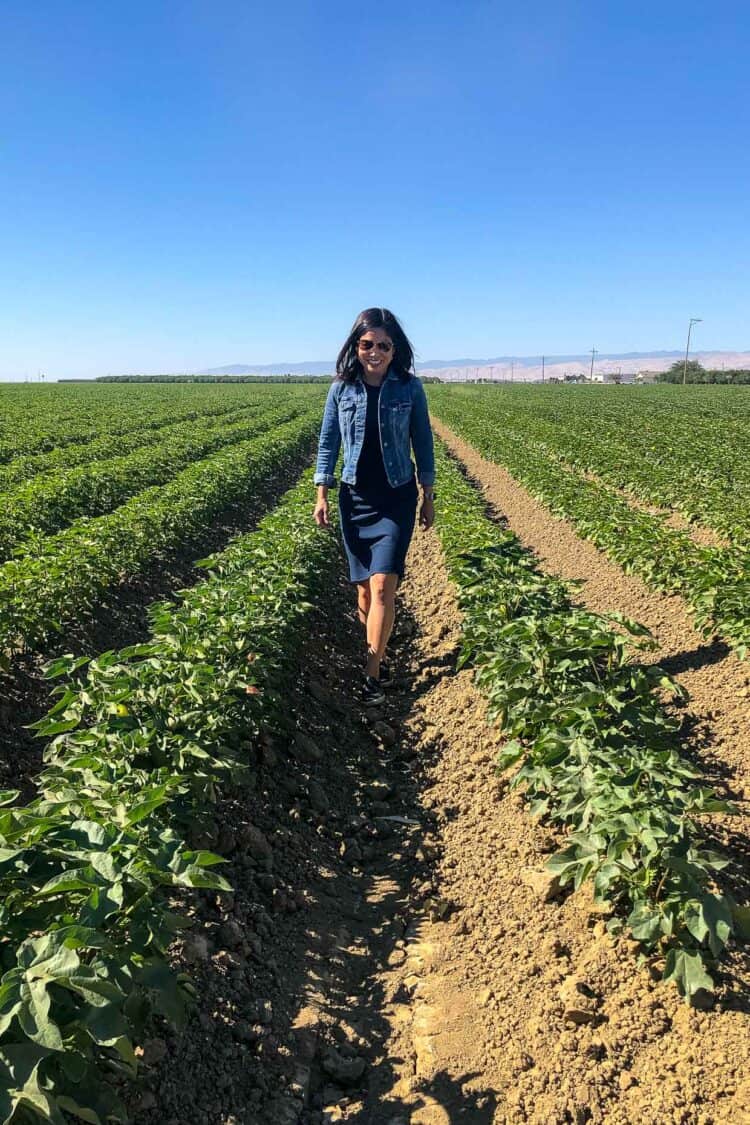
[613, 377]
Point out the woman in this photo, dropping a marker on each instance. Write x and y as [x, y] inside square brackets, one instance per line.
[376, 404]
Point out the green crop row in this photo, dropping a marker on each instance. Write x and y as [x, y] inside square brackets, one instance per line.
[41, 419]
[23, 468]
[708, 493]
[599, 752]
[666, 446]
[43, 593]
[37, 420]
[714, 581]
[50, 503]
[142, 741]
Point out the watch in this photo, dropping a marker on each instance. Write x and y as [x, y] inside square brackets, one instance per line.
[429, 494]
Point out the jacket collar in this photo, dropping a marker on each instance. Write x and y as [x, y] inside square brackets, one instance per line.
[390, 374]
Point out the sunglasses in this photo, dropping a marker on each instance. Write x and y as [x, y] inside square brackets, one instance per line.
[368, 345]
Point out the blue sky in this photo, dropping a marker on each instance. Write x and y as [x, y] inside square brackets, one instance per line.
[188, 184]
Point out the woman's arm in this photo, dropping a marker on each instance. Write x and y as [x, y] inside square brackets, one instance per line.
[320, 511]
[421, 436]
[329, 442]
[421, 439]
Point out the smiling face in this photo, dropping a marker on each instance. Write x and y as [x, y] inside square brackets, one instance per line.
[373, 354]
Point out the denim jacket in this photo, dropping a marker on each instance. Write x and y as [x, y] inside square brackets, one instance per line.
[404, 422]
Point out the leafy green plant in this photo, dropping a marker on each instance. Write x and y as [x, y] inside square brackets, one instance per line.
[714, 580]
[141, 740]
[597, 753]
[51, 502]
[66, 576]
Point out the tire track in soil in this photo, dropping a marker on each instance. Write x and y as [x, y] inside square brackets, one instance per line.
[412, 972]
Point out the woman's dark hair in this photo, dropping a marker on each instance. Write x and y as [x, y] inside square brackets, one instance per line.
[348, 366]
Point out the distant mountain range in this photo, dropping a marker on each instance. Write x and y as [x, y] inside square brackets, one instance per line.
[523, 368]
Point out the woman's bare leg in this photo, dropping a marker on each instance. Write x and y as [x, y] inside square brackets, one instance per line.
[363, 602]
[380, 619]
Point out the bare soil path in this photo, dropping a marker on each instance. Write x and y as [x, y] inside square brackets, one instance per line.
[390, 955]
[488, 1012]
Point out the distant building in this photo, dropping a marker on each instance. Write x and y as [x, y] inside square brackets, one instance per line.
[613, 377]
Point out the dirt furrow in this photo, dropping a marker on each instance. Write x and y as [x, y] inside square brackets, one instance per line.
[391, 954]
[719, 683]
[701, 535]
[509, 1006]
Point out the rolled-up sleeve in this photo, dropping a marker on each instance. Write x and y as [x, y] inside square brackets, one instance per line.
[421, 436]
[329, 442]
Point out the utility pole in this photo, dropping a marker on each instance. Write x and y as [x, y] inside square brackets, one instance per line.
[594, 353]
[512, 370]
[693, 320]
[542, 368]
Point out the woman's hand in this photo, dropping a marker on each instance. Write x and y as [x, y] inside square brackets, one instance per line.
[320, 512]
[427, 514]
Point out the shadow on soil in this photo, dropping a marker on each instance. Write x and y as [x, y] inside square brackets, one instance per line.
[380, 894]
[337, 796]
[703, 656]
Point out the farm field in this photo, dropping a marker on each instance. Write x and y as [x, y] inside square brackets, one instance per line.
[86, 547]
[595, 460]
[517, 891]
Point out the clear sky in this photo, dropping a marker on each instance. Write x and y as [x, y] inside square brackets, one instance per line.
[186, 184]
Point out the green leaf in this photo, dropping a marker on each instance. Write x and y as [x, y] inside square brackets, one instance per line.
[10, 998]
[82, 937]
[97, 991]
[140, 811]
[717, 916]
[194, 876]
[61, 726]
[93, 1100]
[645, 924]
[32, 1096]
[688, 972]
[511, 753]
[34, 1016]
[169, 998]
[107, 1026]
[77, 879]
[48, 957]
[104, 865]
[7, 855]
[203, 858]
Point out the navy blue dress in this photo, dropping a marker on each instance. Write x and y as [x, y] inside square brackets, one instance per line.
[377, 520]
